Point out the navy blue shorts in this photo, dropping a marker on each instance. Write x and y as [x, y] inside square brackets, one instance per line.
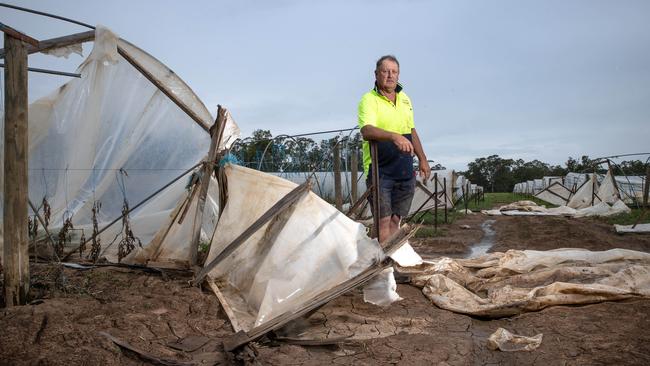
[395, 196]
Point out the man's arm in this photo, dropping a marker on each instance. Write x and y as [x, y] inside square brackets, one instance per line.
[425, 169]
[371, 133]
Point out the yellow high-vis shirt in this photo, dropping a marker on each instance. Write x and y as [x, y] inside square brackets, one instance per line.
[378, 111]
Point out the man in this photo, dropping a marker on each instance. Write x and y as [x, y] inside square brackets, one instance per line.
[386, 118]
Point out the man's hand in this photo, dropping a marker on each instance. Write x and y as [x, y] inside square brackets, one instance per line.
[425, 170]
[403, 144]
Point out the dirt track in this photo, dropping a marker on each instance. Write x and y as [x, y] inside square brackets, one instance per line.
[153, 312]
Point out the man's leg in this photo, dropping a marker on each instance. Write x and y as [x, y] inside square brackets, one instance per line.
[401, 198]
[385, 227]
[385, 208]
[394, 223]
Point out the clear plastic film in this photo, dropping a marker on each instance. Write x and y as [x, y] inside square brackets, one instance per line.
[112, 137]
[304, 251]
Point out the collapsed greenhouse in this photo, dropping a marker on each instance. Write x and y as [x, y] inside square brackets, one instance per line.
[127, 165]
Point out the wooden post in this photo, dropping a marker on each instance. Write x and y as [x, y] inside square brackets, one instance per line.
[354, 161]
[435, 201]
[466, 195]
[338, 196]
[593, 187]
[444, 187]
[374, 171]
[646, 188]
[216, 131]
[16, 236]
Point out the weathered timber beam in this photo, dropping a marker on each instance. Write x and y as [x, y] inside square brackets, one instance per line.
[224, 304]
[358, 202]
[163, 88]
[217, 133]
[283, 204]
[391, 244]
[16, 236]
[58, 42]
[18, 35]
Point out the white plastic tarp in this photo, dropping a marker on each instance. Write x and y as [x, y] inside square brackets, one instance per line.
[538, 185]
[586, 195]
[608, 192]
[573, 180]
[276, 271]
[556, 194]
[630, 188]
[506, 284]
[550, 180]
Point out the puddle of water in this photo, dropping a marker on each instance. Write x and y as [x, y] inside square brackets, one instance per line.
[487, 241]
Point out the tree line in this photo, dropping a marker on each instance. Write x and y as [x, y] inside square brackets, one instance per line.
[284, 153]
[497, 174]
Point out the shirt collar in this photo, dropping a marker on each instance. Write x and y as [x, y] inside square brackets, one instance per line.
[398, 88]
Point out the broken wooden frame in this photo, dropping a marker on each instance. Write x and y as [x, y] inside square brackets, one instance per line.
[208, 168]
[393, 243]
[283, 204]
[437, 196]
[549, 190]
[361, 202]
[72, 39]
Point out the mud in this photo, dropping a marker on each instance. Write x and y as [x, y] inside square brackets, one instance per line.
[157, 313]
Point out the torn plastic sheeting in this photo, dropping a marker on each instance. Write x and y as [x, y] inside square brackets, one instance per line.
[505, 341]
[603, 209]
[170, 247]
[528, 208]
[382, 290]
[303, 252]
[640, 228]
[114, 118]
[66, 51]
[586, 194]
[556, 194]
[506, 284]
[406, 256]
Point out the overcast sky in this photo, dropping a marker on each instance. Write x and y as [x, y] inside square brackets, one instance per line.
[522, 79]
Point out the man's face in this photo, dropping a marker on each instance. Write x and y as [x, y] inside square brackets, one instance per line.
[387, 75]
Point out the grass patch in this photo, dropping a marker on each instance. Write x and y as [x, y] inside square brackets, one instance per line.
[495, 200]
[429, 232]
[625, 219]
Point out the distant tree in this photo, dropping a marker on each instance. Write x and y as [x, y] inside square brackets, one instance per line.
[585, 165]
[630, 167]
[491, 172]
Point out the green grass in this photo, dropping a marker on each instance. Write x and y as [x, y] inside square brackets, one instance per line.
[625, 219]
[429, 232]
[494, 200]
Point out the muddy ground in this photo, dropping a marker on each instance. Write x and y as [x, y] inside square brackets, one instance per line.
[160, 314]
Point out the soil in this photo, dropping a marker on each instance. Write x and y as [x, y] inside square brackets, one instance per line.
[162, 315]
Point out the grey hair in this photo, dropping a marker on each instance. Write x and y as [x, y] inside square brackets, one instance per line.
[384, 58]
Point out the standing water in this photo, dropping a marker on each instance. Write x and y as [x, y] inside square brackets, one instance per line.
[487, 241]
